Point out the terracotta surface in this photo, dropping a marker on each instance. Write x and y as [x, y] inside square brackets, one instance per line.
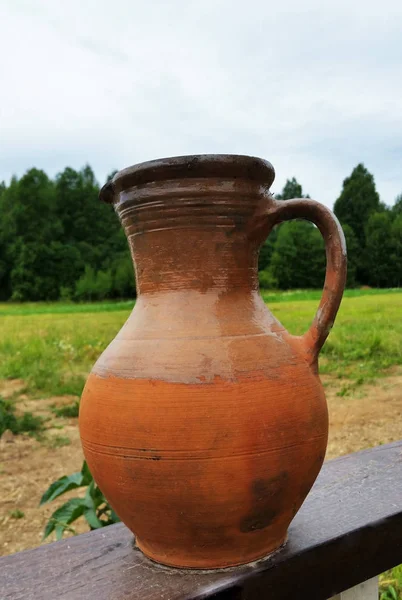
[204, 422]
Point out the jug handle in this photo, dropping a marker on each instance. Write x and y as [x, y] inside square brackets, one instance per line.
[335, 276]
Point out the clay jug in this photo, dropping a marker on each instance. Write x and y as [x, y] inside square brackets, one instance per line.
[204, 422]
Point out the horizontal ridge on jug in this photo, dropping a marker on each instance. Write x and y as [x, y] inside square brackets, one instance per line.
[204, 422]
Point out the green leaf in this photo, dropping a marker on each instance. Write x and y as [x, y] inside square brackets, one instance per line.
[93, 496]
[50, 525]
[96, 495]
[59, 530]
[89, 501]
[92, 519]
[63, 516]
[86, 474]
[61, 486]
[70, 511]
[390, 593]
[393, 593]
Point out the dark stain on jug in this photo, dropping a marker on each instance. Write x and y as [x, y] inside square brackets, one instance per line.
[267, 499]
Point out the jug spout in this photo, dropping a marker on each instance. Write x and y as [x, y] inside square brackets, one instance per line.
[107, 193]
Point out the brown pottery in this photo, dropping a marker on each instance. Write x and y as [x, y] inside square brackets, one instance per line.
[204, 422]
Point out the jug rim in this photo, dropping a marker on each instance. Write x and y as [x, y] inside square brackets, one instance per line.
[236, 166]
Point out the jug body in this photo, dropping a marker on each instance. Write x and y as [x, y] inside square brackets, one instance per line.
[204, 422]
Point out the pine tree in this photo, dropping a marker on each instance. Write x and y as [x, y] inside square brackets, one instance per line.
[358, 200]
[379, 249]
[298, 260]
[292, 189]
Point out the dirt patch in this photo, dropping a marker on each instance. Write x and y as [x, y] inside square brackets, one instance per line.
[43, 408]
[10, 387]
[27, 467]
[368, 416]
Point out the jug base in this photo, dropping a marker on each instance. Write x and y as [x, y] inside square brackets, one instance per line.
[189, 562]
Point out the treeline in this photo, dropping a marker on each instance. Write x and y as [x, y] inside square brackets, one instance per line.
[57, 241]
[293, 257]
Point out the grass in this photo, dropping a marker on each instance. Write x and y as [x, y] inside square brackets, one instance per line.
[57, 441]
[291, 295]
[391, 580]
[17, 514]
[53, 346]
[53, 353]
[62, 308]
[366, 339]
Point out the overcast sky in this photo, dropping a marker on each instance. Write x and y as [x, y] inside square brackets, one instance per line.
[314, 86]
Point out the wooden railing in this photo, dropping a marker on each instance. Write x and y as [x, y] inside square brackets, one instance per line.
[348, 531]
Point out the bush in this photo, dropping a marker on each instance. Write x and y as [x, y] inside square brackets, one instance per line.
[70, 410]
[267, 280]
[124, 278]
[85, 286]
[65, 294]
[94, 285]
[298, 259]
[26, 423]
[17, 514]
[41, 269]
[116, 281]
[103, 285]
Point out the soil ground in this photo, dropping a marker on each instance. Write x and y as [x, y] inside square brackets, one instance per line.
[369, 415]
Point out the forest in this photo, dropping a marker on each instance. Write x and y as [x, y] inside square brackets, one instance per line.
[59, 242]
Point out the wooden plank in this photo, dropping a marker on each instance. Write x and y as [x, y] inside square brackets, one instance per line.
[368, 590]
[348, 530]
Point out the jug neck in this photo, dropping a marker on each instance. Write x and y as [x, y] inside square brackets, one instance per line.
[193, 225]
[200, 260]
[196, 234]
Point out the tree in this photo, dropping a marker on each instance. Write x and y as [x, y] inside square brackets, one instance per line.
[111, 175]
[292, 189]
[396, 257]
[83, 217]
[31, 207]
[49, 231]
[358, 200]
[267, 250]
[397, 208]
[41, 270]
[379, 249]
[30, 226]
[88, 224]
[7, 237]
[353, 250]
[298, 260]
[86, 284]
[123, 277]
[266, 280]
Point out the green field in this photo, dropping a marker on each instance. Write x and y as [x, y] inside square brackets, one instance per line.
[53, 346]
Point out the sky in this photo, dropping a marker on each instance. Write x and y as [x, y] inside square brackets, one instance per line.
[313, 86]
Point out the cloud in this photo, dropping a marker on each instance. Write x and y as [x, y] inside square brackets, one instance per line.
[313, 87]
